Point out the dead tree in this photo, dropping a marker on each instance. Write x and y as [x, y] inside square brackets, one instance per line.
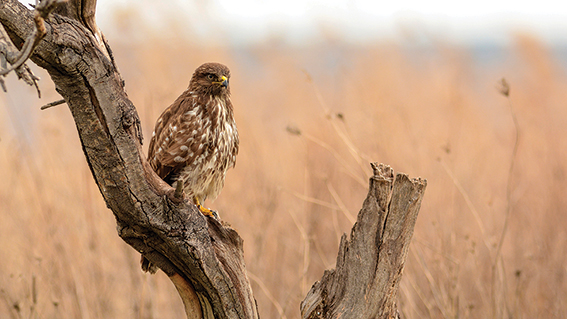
[202, 257]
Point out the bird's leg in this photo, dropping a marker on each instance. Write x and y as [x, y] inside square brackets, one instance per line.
[204, 210]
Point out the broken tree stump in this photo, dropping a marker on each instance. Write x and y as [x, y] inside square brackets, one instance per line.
[369, 265]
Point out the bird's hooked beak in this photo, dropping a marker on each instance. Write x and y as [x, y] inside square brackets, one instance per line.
[224, 81]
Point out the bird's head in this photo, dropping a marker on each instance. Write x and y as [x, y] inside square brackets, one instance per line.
[211, 79]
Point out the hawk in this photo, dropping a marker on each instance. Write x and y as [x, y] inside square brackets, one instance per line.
[195, 140]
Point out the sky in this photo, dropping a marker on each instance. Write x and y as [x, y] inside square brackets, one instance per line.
[358, 20]
[454, 19]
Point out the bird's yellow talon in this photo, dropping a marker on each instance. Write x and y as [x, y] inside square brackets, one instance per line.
[206, 211]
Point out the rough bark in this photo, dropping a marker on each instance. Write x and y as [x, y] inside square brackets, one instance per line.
[369, 265]
[195, 251]
[202, 257]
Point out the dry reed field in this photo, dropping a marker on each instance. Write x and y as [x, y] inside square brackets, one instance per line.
[490, 238]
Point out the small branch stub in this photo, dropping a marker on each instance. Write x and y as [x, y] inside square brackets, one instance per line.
[52, 104]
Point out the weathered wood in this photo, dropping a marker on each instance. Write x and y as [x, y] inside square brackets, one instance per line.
[203, 257]
[173, 234]
[369, 264]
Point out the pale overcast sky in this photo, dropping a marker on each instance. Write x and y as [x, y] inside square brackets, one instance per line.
[361, 19]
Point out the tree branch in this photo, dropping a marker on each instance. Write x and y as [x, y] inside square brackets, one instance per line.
[173, 235]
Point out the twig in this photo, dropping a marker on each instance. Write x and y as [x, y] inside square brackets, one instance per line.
[311, 199]
[293, 130]
[327, 262]
[504, 89]
[52, 104]
[468, 201]
[12, 305]
[42, 10]
[343, 135]
[18, 58]
[437, 295]
[339, 202]
[436, 251]
[9, 53]
[335, 154]
[423, 299]
[33, 311]
[267, 293]
[25, 73]
[306, 251]
[80, 295]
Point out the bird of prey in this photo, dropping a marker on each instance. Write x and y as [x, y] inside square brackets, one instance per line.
[195, 140]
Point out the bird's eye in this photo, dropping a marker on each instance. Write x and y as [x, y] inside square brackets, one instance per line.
[210, 77]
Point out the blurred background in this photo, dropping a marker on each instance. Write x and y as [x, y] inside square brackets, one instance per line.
[321, 89]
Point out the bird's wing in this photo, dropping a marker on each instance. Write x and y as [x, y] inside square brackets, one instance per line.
[179, 138]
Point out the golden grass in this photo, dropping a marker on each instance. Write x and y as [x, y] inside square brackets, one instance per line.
[291, 196]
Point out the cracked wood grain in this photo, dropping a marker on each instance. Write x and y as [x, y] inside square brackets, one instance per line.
[369, 264]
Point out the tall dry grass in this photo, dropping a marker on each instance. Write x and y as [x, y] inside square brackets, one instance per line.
[435, 114]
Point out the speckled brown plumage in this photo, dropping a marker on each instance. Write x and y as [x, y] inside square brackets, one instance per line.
[195, 139]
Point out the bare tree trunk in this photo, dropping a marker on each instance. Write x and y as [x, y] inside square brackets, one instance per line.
[202, 256]
[198, 253]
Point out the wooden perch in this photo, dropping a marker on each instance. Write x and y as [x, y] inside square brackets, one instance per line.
[369, 266]
[196, 252]
[202, 256]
